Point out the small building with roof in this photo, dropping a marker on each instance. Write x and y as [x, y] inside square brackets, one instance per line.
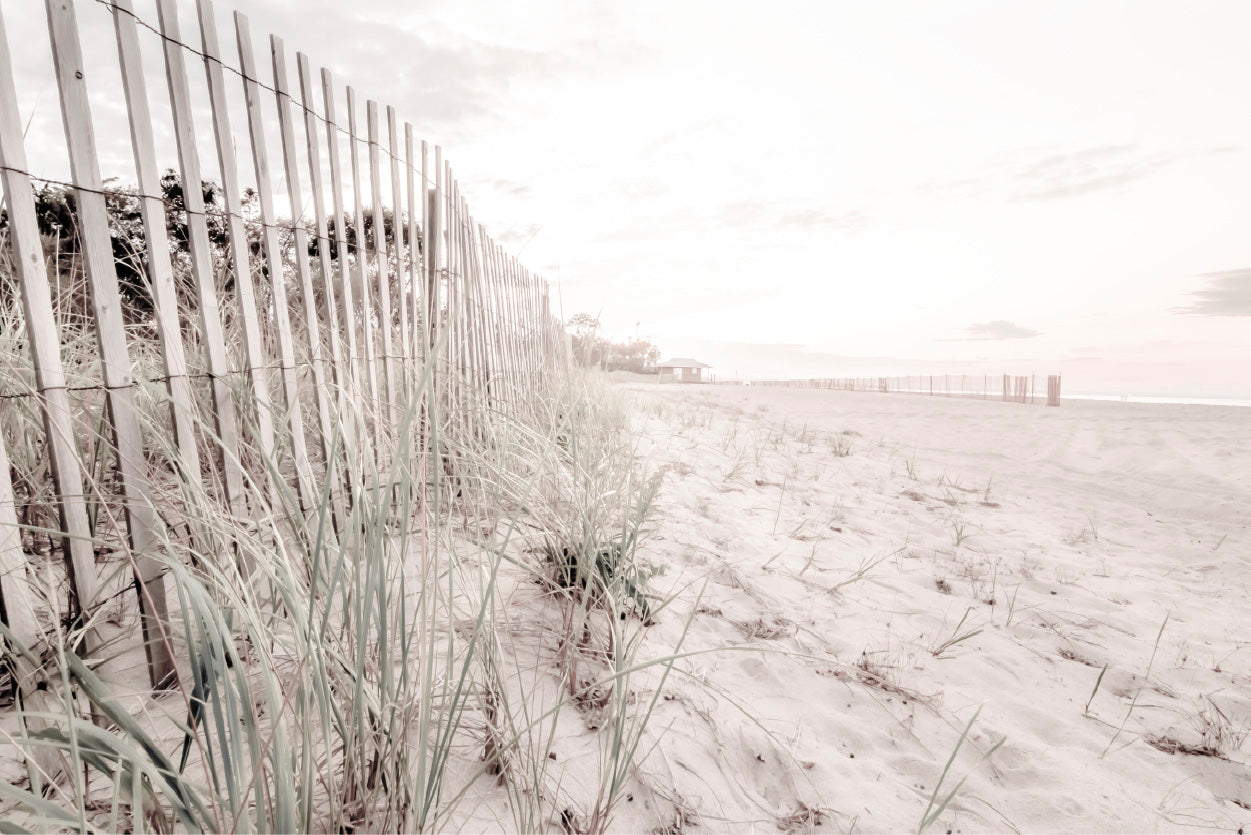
[681, 370]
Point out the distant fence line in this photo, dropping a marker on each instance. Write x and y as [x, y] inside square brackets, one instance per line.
[268, 350]
[1008, 388]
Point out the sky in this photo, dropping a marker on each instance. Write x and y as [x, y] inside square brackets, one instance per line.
[826, 188]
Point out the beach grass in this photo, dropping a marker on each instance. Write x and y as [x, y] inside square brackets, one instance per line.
[378, 674]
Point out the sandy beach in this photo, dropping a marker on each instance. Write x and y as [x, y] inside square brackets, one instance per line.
[1078, 575]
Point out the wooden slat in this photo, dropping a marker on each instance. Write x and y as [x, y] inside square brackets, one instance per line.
[416, 207]
[456, 328]
[504, 321]
[498, 323]
[537, 319]
[451, 230]
[531, 324]
[226, 421]
[17, 611]
[160, 269]
[97, 255]
[331, 311]
[509, 320]
[240, 260]
[518, 322]
[340, 364]
[291, 166]
[476, 309]
[273, 251]
[401, 273]
[434, 240]
[486, 333]
[382, 265]
[427, 241]
[356, 360]
[17, 599]
[499, 360]
[549, 345]
[456, 356]
[462, 294]
[471, 302]
[448, 286]
[363, 293]
[45, 346]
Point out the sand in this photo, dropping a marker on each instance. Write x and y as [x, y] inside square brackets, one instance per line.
[902, 562]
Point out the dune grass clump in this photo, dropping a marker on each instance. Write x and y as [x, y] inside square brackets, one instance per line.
[603, 574]
[362, 673]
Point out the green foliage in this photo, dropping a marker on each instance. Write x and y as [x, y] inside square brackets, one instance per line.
[367, 225]
[56, 211]
[607, 574]
[592, 350]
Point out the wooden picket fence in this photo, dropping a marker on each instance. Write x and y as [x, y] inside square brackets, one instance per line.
[1008, 388]
[440, 308]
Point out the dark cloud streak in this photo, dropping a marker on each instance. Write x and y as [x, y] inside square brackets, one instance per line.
[1228, 294]
[1095, 169]
[995, 330]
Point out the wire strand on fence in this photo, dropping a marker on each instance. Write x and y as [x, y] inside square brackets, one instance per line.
[141, 22]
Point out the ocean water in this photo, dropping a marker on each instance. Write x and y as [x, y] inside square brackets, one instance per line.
[1156, 398]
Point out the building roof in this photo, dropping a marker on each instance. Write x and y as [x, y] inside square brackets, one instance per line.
[682, 362]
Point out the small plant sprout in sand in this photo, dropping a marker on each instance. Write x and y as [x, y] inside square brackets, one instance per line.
[862, 572]
[1012, 605]
[781, 498]
[841, 444]
[935, 808]
[910, 464]
[940, 649]
[960, 531]
[986, 500]
[1137, 691]
[1092, 520]
[1216, 734]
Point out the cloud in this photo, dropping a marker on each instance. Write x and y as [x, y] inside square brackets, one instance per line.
[437, 78]
[744, 212]
[510, 187]
[1059, 176]
[853, 221]
[518, 234]
[1228, 294]
[962, 187]
[757, 213]
[998, 329]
